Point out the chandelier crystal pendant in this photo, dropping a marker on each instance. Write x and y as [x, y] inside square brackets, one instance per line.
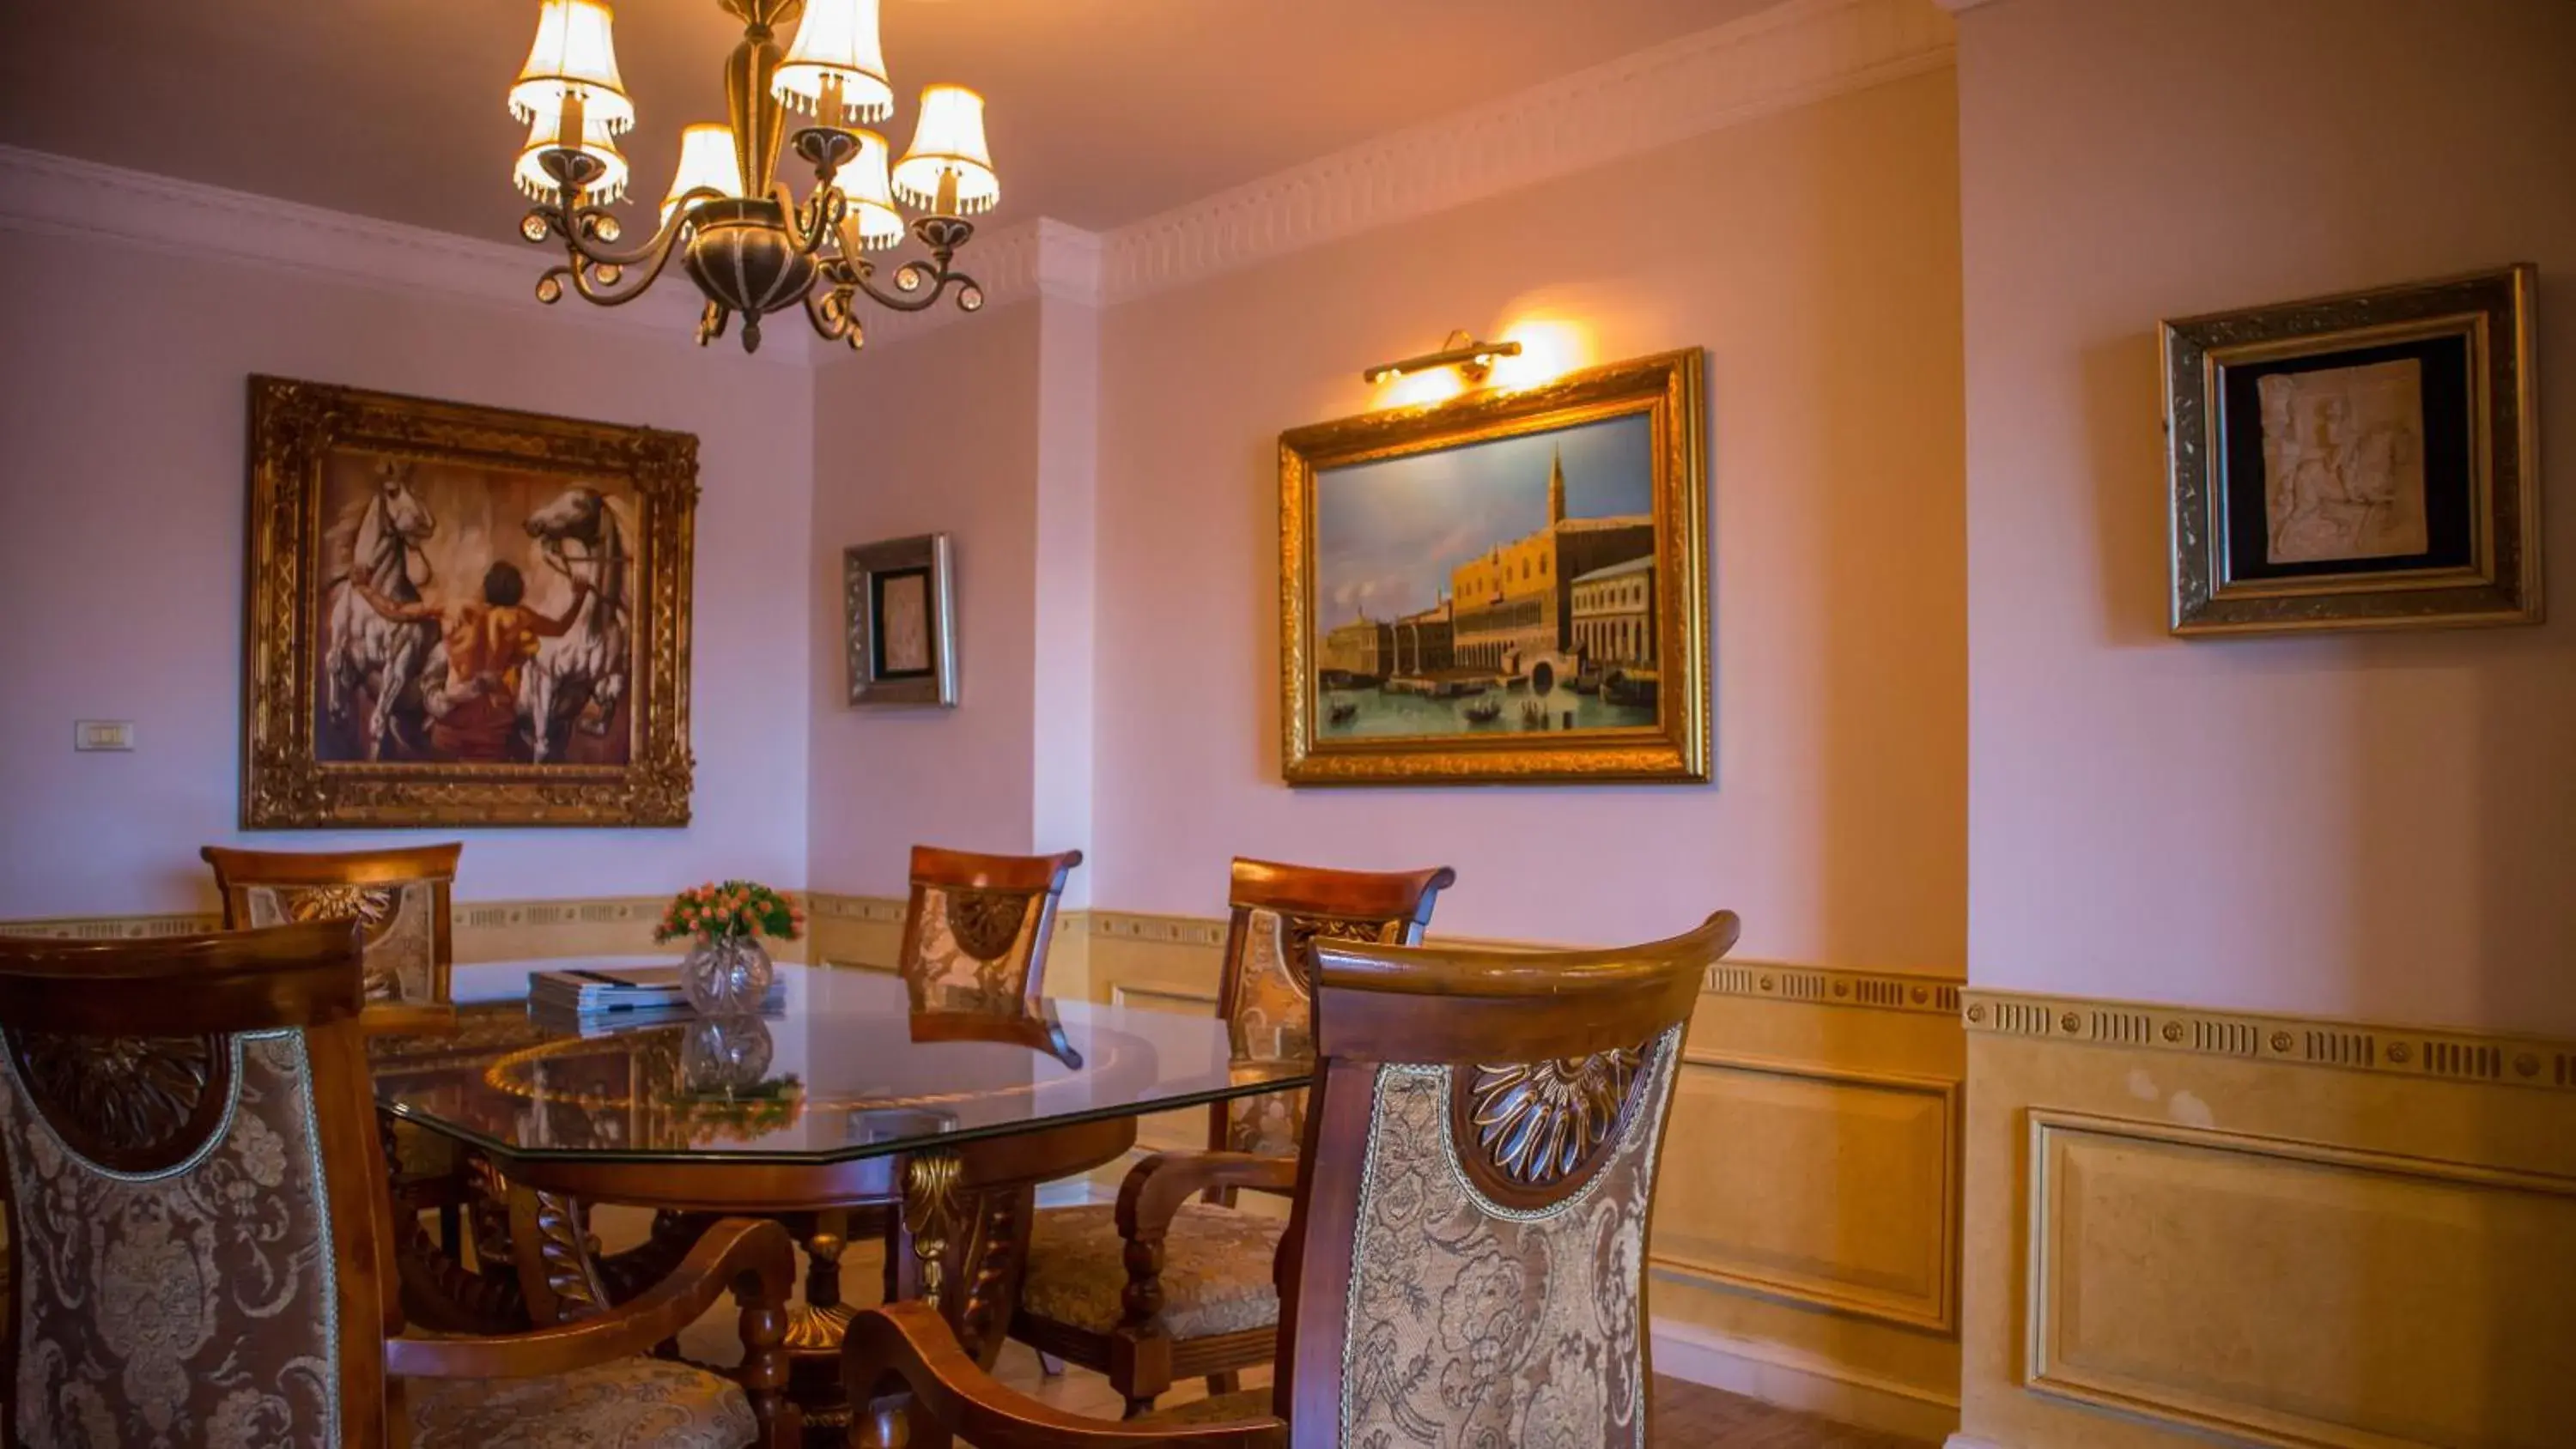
[738, 231]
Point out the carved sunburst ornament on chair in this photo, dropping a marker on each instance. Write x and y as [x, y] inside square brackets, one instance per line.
[133, 1103]
[1538, 1121]
[370, 906]
[986, 923]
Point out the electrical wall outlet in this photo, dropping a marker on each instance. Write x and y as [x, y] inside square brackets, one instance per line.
[103, 734]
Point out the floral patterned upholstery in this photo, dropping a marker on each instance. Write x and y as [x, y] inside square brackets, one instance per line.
[401, 924]
[1273, 1020]
[638, 1403]
[192, 1304]
[974, 940]
[1216, 1279]
[1472, 1323]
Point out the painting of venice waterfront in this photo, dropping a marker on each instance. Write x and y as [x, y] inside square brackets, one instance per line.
[1505, 588]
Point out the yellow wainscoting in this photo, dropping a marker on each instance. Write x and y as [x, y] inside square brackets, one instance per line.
[2278, 1231]
[2354, 1293]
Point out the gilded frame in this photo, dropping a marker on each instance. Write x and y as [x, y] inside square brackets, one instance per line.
[1669, 390]
[293, 427]
[2500, 581]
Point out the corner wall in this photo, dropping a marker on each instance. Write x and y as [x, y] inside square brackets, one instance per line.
[2235, 1210]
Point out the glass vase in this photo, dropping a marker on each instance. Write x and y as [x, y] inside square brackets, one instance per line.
[726, 975]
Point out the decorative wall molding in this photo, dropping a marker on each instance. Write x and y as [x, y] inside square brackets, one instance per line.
[1787, 56]
[1794, 1379]
[1778, 1235]
[2148, 1245]
[1790, 55]
[2443, 1055]
[48, 195]
[1769, 981]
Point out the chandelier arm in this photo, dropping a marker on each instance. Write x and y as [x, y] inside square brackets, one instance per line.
[922, 301]
[809, 237]
[569, 223]
[582, 272]
[832, 316]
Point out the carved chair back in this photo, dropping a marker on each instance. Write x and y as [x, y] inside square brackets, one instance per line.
[199, 1235]
[1466, 1259]
[401, 897]
[1274, 912]
[977, 927]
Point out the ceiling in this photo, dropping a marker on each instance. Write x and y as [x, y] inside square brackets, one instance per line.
[1101, 111]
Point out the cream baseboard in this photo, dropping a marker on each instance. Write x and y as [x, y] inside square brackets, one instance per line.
[1808, 1383]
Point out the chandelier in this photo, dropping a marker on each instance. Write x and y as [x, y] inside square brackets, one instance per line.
[741, 235]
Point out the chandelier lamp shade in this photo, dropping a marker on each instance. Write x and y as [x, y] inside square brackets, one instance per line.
[739, 233]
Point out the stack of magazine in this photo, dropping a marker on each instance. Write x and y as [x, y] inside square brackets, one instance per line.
[602, 996]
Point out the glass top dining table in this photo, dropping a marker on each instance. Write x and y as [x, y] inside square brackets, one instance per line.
[847, 1068]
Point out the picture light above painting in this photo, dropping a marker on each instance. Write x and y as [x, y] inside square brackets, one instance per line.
[463, 615]
[1510, 587]
[2365, 461]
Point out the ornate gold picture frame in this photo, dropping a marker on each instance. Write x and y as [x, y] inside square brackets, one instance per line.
[462, 616]
[2364, 461]
[1506, 588]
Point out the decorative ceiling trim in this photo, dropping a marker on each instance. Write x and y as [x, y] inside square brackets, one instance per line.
[1787, 56]
[44, 194]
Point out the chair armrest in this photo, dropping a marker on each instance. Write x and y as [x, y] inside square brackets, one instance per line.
[1156, 1188]
[753, 1258]
[908, 1346]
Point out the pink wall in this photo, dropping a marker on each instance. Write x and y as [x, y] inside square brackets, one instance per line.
[2372, 826]
[121, 506]
[937, 433]
[1814, 253]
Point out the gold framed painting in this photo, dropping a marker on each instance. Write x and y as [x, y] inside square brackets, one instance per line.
[1507, 588]
[2364, 461]
[463, 615]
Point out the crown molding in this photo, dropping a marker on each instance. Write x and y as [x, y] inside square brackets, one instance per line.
[1787, 56]
[43, 194]
[2452, 1055]
[1031, 259]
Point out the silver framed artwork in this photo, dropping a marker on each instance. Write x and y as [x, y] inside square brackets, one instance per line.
[900, 617]
[2364, 461]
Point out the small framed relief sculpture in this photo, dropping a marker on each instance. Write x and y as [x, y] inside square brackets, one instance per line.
[901, 621]
[2356, 462]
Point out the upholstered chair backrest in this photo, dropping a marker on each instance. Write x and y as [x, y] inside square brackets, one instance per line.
[1467, 1264]
[1275, 912]
[977, 927]
[176, 1115]
[401, 897]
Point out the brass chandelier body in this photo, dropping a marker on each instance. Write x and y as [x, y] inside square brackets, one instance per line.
[763, 251]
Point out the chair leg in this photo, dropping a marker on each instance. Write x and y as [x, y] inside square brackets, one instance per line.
[1225, 1383]
[451, 1229]
[1137, 1408]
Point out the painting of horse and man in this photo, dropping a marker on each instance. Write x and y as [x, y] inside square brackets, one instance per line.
[473, 636]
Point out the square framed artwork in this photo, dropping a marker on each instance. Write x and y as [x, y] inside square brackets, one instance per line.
[1506, 588]
[2364, 461]
[901, 622]
[463, 615]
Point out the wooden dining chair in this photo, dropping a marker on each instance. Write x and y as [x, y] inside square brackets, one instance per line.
[400, 897]
[401, 901]
[203, 1246]
[1465, 1262]
[977, 927]
[1159, 1288]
